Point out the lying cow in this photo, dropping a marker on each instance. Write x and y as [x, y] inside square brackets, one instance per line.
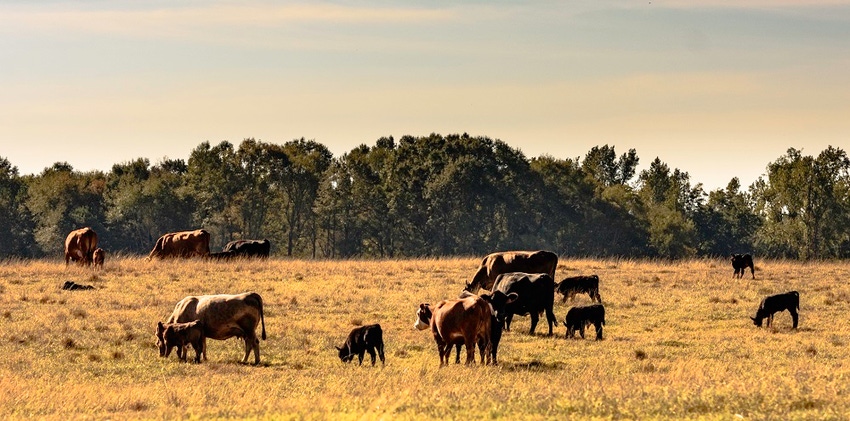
[98, 257]
[465, 321]
[180, 335]
[182, 244]
[79, 246]
[535, 295]
[495, 264]
[740, 262]
[580, 317]
[586, 284]
[361, 340]
[225, 316]
[249, 248]
[775, 303]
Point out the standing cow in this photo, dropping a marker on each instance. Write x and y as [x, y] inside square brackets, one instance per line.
[182, 244]
[580, 317]
[98, 257]
[775, 303]
[535, 295]
[180, 335]
[80, 245]
[495, 264]
[361, 340]
[223, 317]
[465, 320]
[585, 284]
[740, 262]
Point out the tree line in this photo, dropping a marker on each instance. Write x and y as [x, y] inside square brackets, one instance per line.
[432, 196]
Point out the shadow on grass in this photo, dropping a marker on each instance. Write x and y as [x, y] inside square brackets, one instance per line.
[534, 365]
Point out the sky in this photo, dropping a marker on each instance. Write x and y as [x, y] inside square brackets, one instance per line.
[716, 88]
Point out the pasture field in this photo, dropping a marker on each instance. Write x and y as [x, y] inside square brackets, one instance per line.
[679, 344]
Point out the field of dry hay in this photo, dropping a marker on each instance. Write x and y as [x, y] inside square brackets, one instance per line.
[679, 344]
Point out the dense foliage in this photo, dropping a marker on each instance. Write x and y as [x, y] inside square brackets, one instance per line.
[433, 196]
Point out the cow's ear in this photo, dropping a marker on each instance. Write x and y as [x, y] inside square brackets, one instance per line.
[424, 306]
[487, 298]
[337, 348]
[512, 297]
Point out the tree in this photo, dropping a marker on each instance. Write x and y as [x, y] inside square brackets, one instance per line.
[602, 164]
[16, 225]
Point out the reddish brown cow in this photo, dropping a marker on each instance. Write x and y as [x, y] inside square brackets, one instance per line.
[80, 245]
[465, 320]
[98, 257]
[182, 244]
[495, 264]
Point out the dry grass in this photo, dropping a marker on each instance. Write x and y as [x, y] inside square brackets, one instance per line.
[679, 344]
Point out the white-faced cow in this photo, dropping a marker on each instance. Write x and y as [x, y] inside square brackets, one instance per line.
[495, 264]
[775, 303]
[361, 340]
[585, 284]
[180, 335]
[80, 245]
[225, 316]
[465, 320]
[740, 262]
[579, 317]
[182, 244]
[535, 295]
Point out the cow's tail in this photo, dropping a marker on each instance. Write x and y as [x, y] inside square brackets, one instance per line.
[262, 318]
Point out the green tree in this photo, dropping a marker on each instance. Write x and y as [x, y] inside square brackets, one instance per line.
[16, 225]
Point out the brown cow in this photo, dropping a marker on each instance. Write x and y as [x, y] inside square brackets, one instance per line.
[225, 316]
[79, 246]
[495, 264]
[98, 257]
[182, 244]
[465, 320]
[180, 335]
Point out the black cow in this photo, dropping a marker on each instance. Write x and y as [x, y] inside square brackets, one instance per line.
[740, 262]
[249, 248]
[775, 303]
[361, 340]
[580, 317]
[535, 294]
[586, 284]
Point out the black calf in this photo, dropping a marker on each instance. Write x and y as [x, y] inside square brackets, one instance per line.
[740, 262]
[361, 340]
[585, 284]
[775, 303]
[579, 317]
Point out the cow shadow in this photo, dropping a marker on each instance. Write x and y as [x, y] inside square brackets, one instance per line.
[533, 365]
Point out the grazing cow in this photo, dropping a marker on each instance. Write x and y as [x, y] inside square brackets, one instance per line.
[182, 244]
[465, 320]
[80, 245]
[98, 257]
[249, 248]
[361, 340]
[180, 335]
[573, 285]
[740, 262]
[535, 295]
[579, 317]
[495, 264]
[775, 303]
[225, 316]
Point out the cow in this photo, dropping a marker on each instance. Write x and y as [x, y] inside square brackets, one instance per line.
[573, 285]
[249, 248]
[225, 316]
[740, 262]
[98, 257]
[497, 300]
[221, 255]
[182, 244]
[495, 264]
[535, 295]
[80, 245]
[579, 317]
[465, 320]
[361, 340]
[180, 335]
[775, 303]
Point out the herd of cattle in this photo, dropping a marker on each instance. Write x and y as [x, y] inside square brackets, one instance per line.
[514, 283]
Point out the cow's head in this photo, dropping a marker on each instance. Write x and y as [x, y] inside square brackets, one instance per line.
[757, 320]
[498, 301]
[160, 339]
[423, 317]
[345, 355]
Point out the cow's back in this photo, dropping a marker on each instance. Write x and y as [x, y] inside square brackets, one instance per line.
[536, 291]
[81, 243]
[451, 319]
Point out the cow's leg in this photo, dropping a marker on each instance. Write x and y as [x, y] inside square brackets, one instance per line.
[371, 351]
[550, 318]
[752, 272]
[597, 296]
[769, 319]
[256, 342]
[794, 316]
[204, 347]
[381, 352]
[581, 329]
[457, 353]
[360, 356]
[534, 319]
[598, 331]
[508, 319]
[470, 342]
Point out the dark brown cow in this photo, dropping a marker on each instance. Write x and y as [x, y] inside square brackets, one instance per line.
[180, 335]
[582, 284]
[495, 264]
[225, 316]
[249, 248]
[182, 244]
[98, 257]
[465, 320]
[80, 245]
[740, 262]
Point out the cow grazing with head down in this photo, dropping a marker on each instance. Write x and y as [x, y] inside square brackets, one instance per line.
[495, 264]
[586, 284]
[535, 295]
[249, 248]
[740, 262]
[361, 340]
[98, 257]
[465, 321]
[775, 303]
[580, 317]
[182, 244]
[180, 336]
[80, 245]
[225, 316]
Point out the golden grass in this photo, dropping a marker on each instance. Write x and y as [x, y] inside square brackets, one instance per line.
[679, 344]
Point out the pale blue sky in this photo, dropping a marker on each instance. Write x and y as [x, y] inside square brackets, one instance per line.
[714, 87]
